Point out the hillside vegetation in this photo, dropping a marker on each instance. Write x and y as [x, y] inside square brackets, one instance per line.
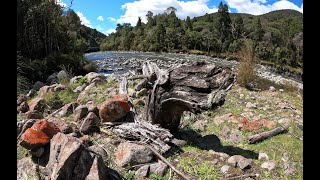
[277, 37]
[49, 37]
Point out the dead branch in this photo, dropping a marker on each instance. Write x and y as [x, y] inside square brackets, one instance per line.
[264, 135]
[165, 161]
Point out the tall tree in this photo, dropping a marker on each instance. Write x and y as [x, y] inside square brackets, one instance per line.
[188, 23]
[151, 21]
[223, 23]
[238, 27]
[139, 22]
[258, 33]
[160, 37]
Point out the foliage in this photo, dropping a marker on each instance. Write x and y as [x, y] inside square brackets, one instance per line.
[216, 33]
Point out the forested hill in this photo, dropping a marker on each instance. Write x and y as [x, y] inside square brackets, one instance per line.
[92, 37]
[276, 37]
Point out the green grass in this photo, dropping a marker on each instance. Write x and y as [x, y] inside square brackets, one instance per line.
[21, 152]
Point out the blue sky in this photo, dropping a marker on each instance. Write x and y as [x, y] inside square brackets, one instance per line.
[104, 15]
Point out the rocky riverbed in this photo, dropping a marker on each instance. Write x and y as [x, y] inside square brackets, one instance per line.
[122, 62]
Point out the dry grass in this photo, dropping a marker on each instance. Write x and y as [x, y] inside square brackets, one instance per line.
[246, 69]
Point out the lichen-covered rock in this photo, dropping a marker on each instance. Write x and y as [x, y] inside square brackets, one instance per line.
[89, 123]
[113, 109]
[32, 139]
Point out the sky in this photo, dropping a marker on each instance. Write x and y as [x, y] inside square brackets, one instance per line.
[104, 15]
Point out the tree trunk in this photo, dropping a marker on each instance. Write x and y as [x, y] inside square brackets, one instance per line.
[196, 88]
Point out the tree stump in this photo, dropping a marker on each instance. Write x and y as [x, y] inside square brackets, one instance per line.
[197, 87]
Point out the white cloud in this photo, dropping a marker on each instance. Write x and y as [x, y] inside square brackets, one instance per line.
[258, 7]
[109, 31]
[61, 3]
[139, 8]
[111, 19]
[84, 20]
[100, 18]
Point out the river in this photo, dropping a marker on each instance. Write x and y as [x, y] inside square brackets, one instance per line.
[121, 62]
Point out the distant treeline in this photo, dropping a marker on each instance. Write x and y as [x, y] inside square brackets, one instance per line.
[277, 37]
[49, 37]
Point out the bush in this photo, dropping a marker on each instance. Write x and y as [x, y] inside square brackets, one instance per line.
[246, 70]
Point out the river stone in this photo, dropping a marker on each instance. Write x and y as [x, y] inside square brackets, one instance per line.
[269, 165]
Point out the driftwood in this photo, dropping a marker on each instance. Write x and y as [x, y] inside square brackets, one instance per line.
[166, 161]
[264, 135]
[195, 88]
[123, 86]
[143, 131]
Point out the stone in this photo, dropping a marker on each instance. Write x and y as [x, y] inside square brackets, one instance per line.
[34, 115]
[272, 89]
[95, 77]
[200, 125]
[93, 108]
[234, 160]
[75, 79]
[52, 78]
[61, 125]
[263, 157]
[80, 88]
[269, 165]
[98, 170]
[37, 104]
[289, 168]
[38, 85]
[23, 107]
[220, 154]
[132, 154]
[224, 169]
[250, 105]
[67, 109]
[245, 163]
[58, 87]
[236, 136]
[89, 122]
[32, 139]
[178, 142]
[98, 150]
[26, 169]
[46, 127]
[80, 112]
[285, 157]
[142, 92]
[114, 109]
[37, 152]
[156, 168]
[281, 90]
[67, 155]
[225, 131]
[22, 98]
[62, 75]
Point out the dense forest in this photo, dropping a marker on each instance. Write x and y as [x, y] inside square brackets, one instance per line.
[276, 37]
[50, 37]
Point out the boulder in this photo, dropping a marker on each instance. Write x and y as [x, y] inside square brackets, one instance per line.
[263, 157]
[92, 108]
[95, 77]
[132, 154]
[90, 123]
[158, 168]
[113, 109]
[38, 85]
[67, 109]
[269, 165]
[62, 75]
[80, 112]
[37, 104]
[61, 125]
[245, 163]
[52, 78]
[98, 170]
[225, 169]
[234, 160]
[33, 139]
[75, 79]
[49, 128]
[34, 115]
[26, 169]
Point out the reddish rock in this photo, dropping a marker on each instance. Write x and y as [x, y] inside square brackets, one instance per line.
[113, 109]
[62, 125]
[32, 139]
[37, 104]
[47, 127]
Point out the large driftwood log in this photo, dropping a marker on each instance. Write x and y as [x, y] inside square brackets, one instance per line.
[196, 88]
[264, 135]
